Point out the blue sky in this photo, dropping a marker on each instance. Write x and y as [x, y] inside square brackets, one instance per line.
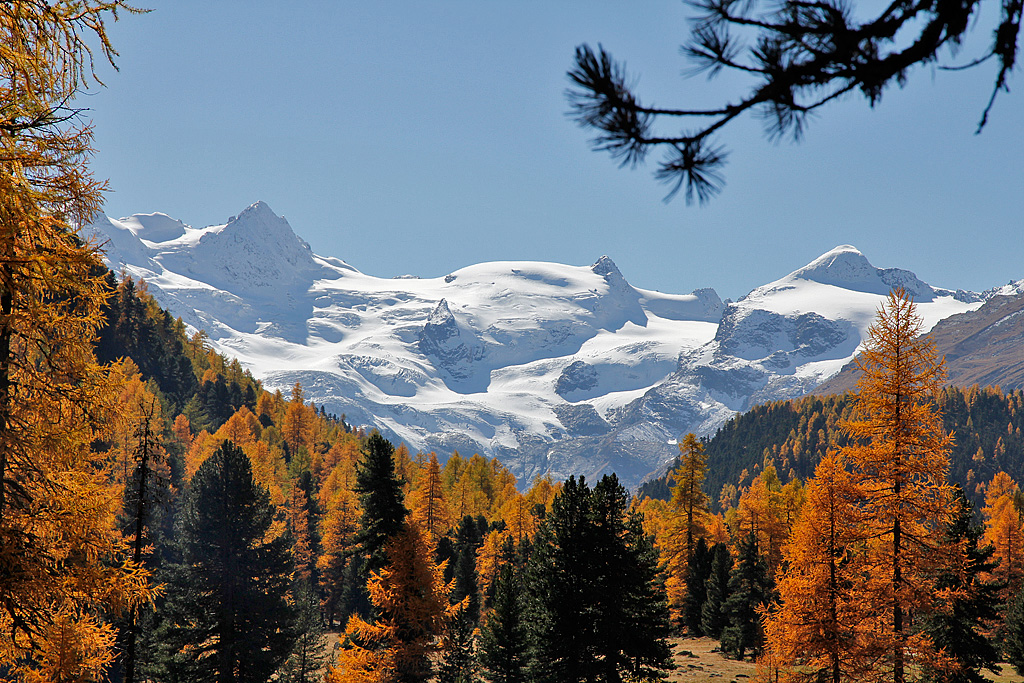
[411, 137]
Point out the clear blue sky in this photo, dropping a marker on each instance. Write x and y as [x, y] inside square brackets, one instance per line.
[413, 137]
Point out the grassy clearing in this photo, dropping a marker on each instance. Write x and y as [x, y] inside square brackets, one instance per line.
[698, 660]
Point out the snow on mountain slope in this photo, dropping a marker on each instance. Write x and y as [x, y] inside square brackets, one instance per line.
[552, 368]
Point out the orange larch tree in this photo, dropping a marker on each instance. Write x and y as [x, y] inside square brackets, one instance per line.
[411, 602]
[763, 512]
[64, 560]
[429, 507]
[899, 455]
[1003, 529]
[817, 631]
[689, 502]
[297, 520]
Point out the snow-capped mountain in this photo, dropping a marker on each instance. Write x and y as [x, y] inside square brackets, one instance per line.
[551, 368]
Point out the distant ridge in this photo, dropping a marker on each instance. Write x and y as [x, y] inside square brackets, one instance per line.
[984, 347]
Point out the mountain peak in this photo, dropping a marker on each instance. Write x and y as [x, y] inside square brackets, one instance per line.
[605, 266]
[846, 267]
[256, 248]
[840, 266]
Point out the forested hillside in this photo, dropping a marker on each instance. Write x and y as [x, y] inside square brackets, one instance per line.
[796, 435]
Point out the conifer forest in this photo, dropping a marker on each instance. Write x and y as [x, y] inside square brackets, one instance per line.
[164, 518]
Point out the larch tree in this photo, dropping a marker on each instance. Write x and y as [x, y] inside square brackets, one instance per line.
[689, 501]
[762, 511]
[817, 631]
[429, 507]
[297, 521]
[410, 600]
[1003, 529]
[899, 455]
[336, 563]
[688, 507]
[63, 560]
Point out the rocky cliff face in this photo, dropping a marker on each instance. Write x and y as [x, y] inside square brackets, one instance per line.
[983, 346]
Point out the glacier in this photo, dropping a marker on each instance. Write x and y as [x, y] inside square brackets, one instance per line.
[553, 369]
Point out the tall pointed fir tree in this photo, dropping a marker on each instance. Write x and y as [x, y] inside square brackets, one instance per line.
[713, 617]
[697, 573]
[64, 564]
[381, 499]
[228, 617]
[308, 658]
[505, 636]
[140, 497]
[899, 454]
[751, 590]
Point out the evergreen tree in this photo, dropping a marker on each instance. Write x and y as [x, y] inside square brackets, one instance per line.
[309, 654]
[1013, 632]
[697, 574]
[712, 614]
[505, 637]
[600, 609]
[958, 627]
[227, 618]
[458, 652]
[381, 499]
[750, 589]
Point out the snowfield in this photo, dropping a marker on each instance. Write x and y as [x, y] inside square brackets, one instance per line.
[551, 368]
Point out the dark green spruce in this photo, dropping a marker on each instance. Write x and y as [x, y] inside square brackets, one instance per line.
[750, 589]
[227, 618]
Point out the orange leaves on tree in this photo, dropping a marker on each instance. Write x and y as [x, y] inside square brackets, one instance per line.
[825, 609]
[429, 507]
[866, 551]
[1003, 529]
[411, 601]
[64, 561]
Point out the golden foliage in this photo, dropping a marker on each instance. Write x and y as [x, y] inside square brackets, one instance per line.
[1004, 530]
[825, 610]
[62, 561]
[411, 599]
[866, 550]
[429, 508]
